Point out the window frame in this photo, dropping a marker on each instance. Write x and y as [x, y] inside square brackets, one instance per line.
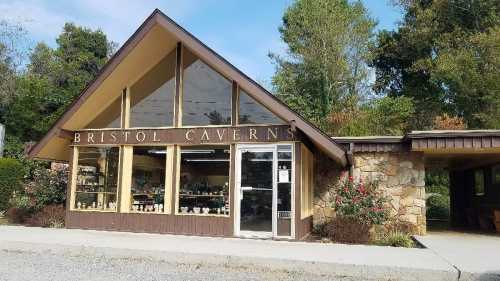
[74, 177]
[126, 180]
[178, 181]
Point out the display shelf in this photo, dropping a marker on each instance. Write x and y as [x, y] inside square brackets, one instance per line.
[201, 195]
[203, 215]
[96, 192]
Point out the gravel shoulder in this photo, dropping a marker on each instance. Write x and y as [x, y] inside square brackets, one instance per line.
[88, 264]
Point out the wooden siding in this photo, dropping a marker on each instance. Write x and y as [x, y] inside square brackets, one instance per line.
[377, 147]
[151, 223]
[465, 142]
[303, 227]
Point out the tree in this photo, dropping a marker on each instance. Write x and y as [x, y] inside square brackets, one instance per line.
[325, 67]
[445, 56]
[380, 117]
[53, 78]
[11, 56]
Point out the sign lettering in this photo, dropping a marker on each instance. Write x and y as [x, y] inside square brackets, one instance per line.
[218, 135]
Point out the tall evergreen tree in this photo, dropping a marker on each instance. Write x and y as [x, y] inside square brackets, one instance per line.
[446, 56]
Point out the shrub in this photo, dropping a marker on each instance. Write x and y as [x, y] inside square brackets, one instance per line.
[320, 229]
[48, 216]
[438, 207]
[400, 226]
[396, 239]
[46, 187]
[17, 215]
[11, 175]
[359, 201]
[358, 207]
[349, 230]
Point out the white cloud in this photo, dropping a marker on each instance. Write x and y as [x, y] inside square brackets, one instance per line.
[44, 20]
[40, 22]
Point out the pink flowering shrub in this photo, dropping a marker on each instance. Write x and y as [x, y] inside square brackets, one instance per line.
[359, 201]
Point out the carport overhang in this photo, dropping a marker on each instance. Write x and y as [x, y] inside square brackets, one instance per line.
[453, 150]
[456, 150]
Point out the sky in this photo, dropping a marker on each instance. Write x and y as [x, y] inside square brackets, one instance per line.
[244, 32]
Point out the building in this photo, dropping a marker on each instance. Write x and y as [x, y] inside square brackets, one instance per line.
[171, 138]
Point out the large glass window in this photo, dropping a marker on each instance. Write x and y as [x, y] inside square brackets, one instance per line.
[251, 112]
[152, 97]
[109, 117]
[206, 94]
[204, 180]
[148, 179]
[97, 178]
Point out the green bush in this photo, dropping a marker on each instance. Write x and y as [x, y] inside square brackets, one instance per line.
[360, 201]
[46, 187]
[396, 239]
[438, 207]
[437, 181]
[11, 175]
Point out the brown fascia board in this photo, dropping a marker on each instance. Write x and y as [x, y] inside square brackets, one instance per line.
[453, 134]
[323, 141]
[370, 139]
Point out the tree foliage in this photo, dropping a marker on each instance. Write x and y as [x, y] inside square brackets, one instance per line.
[11, 174]
[446, 56]
[325, 68]
[52, 79]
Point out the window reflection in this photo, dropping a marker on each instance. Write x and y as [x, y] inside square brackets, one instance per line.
[251, 112]
[152, 97]
[204, 180]
[148, 179]
[206, 94]
[97, 178]
[109, 117]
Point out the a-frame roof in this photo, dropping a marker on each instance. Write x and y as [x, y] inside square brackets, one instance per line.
[55, 137]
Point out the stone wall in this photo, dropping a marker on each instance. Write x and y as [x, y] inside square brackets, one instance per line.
[401, 176]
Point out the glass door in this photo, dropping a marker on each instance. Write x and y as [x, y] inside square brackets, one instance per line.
[264, 191]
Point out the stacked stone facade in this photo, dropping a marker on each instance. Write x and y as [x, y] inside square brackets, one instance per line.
[401, 177]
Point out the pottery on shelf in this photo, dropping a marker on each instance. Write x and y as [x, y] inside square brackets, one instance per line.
[196, 210]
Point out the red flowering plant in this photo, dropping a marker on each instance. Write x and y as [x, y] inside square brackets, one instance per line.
[359, 201]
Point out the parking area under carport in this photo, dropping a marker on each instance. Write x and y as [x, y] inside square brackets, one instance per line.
[472, 159]
[476, 256]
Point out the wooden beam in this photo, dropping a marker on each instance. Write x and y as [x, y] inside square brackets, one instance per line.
[178, 85]
[235, 104]
[65, 134]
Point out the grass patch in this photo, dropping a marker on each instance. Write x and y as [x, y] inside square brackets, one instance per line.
[3, 220]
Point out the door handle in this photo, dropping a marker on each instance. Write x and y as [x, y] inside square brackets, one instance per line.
[244, 188]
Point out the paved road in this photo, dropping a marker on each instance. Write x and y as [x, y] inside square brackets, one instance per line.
[64, 254]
